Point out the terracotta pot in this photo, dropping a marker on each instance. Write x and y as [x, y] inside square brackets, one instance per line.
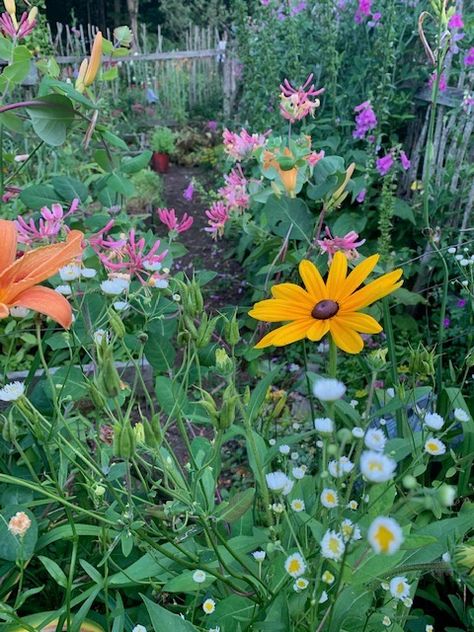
[160, 162]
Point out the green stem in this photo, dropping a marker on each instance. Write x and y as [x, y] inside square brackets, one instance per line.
[392, 358]
[332, 362]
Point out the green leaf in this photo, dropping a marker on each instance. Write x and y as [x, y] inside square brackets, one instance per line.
[70, 188]
[65, 89]
[162, 619]
[54, 570]
[258, 395]
[160, 353]
[403, 210]
[12, 547]
[11, 121]
[137, 163]
[185, 583]
[170, 395]
[5, 48]
[347, 222]
[51, 118]
[113, 139]
[328, 166]
[405, 297]
[287, 216]
[236, 507]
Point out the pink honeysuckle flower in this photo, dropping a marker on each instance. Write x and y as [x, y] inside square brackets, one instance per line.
[240, 146]
[128, 256]
[406, 162]
[50, 224]
[218, 215]
[189, 192]
[23, 29]
[296, 103]
[347, 244]
[235, 190]
[314, 157]
[384, 164]
[10, 193]
[98, 240]
[169, 219]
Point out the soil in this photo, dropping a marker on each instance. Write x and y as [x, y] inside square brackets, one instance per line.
[203, 253]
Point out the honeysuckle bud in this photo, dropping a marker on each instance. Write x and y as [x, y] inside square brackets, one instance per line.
[10, 7]
[32, 15]
[95, 59]
[224, 363]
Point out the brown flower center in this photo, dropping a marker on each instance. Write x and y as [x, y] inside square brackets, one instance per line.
[325, 309]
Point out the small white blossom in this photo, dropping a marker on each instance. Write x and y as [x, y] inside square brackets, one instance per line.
[332, 545]
[327, 577]
[329, 498]
[88, 273]
[278, 508]
[328, 389]
[271, 442]
[357, 432]
[121, 306]
[19, 312]
[297, 505]
[324, 597]
[376, 467]
[152, 266]
[399, 588]
[350, 531]
[114, 287]
[139, 628]
[459, 414]
[259, 556]
[65, 289]
[386, 621]
[340, 467]
[99, 336]
[433, 421]
[284, 449]
[199, 576]
[375, 439]
[299, 472]
[353, 504]
[295, 456]
[209, 606]
[434, 446]
[385, 535]
[446, 557]
[276, 481]
[11, 392]
[295, 565]
[300, 584]
[70, 272]
[407, 602]
[324, 425]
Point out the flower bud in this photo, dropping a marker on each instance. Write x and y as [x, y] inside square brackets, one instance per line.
[224, 363]
[377, 359]
[79, 85]
[139, 433]
[10, 7]
[421, 361]
[116, 323]
[94, 63]
[409, 482]
[231, 330]
[32, 15]
[446, 495]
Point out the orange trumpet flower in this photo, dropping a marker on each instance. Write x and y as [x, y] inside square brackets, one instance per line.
[19, 278]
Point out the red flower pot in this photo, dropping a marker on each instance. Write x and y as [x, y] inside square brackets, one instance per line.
[160, 162]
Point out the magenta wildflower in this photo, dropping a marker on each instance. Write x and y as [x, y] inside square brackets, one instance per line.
[365, 119]
[442, 82]
[469, 57]
[235, 190]
[461, 303]
[189, 192]
[298, 8]
[456, 21]
[375, 19]
[240, 146]
[384, 164]
[217, 215]
[406, 163]
[10, 193]
[169, 219]
[361, 196]
[296, 103]
[22, 29]
[364, 9]
[212, 125]
[347, 244]
[50, 224]
[446, 323]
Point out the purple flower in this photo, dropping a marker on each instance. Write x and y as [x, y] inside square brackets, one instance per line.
[455, 21]
[469, 58]
[212, 125]
[461, 302]
[442, 82]
[365, 119]
[189, 192]
[265, 2]
[384, 164]
[363, 11]
[406, 163]
[376, 17]
[361, 196]
[446, 323]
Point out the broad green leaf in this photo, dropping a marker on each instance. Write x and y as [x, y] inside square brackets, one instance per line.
[137, 163]
[232, 510]
[70, 188]
[258, 395]
[162, 619]
[184, 583]
[289, 217]
[11, 121]
[51, 118]
[160, 353]
[347, 222]
[54, 570]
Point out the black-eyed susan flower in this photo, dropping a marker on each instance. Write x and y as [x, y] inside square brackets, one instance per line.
[331, 307]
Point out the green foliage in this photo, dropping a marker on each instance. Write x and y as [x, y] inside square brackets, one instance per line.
[163, 140]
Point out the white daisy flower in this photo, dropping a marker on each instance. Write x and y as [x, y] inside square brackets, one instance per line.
[459, 413]
[121, 306]
[297, 505]
[70, 272]
[259, 556]
[434, 446]
[284, 449]
[328, 389]
[65, 289]
[152, 266]
[324, 597]
[12, 391]
[88, 273]
[375, 439]
[376, 467]
[350, 531]
[324, 425]
[19, 312]
[357, 432]
[299, 472]
[433, 421]
[209, 606]
[277, 481]
[199, 576]
[160, 284]
[385, 535]
[139, 628]
[332, 545]
[114, 287]
[352, 504]
[452, 250]
[278, 508]
[300, 584]
[295, 565]
[329, 498]
[340, 467]
[327, 577]
[399, 588]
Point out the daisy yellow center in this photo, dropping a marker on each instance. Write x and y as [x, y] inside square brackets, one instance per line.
[333, 545]
[400, 588]
[384, 537]
[325, 309]
[293, 566]
[330, 498]
[433, 447]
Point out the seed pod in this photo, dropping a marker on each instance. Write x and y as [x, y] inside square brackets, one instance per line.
[231, 330]
[9, 429]
[127, 442]
[109, 380]
[206, 329]
[156, 427]
[116, 323]
[116, 439]
[149, 435]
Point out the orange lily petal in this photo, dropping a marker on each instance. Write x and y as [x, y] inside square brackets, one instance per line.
[313, 280]
[47, 302]
[8, 243]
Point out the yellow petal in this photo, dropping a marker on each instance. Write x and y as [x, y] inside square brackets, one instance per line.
[276, 310]
[318, 329]
[313, 280]
[363, 323]
[375, 290]
[358, 276]
[345, 338]
[286, 335]
[292, 292]
[337, 275]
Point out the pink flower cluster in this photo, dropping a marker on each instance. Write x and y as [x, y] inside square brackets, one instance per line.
[442, 81]
[365, 119]
[469, 57]
[50, 224]
[127, 255]
[296, 103]
[169, 219]
[364, 10]
[234, 192]
[347, 244]
[10, 29]
[217, 215]
[240, 146]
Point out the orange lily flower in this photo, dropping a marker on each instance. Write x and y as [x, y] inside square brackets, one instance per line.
[288, 177]
[19, 278]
